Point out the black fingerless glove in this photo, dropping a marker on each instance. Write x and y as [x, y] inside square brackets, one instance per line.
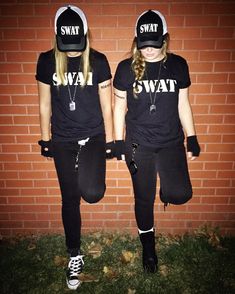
[46, 148]
[119, 149]
[193, 146]
[110, 150]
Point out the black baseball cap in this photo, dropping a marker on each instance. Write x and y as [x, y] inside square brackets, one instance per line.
[150, 29]
[70, 29]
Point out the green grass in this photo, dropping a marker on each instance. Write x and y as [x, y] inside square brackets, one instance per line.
[203, 262]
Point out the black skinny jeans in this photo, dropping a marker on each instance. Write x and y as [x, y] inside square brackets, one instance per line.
[88, 181]
[175, 186]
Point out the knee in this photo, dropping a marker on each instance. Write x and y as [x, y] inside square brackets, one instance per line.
[177, 197]
[93, 195]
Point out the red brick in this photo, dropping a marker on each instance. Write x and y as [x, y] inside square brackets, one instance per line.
[30, 22]
[226, 109]
[217, 33]
[225, 44]
[8, 22]
[225, 129]
[219, 8]
[116, 9]
[227, 157]
[227, 20]
[210, 99]
[13, 110]
[199, 45]
[26, 120]
[215, 55]
[11, 224]
[202, 21]
[202, 119]
[215, 183]
[229, 138]
[223, 89]
[19, 183]
[220, 147]
[15, 148]
[21, 56]
[101, 45]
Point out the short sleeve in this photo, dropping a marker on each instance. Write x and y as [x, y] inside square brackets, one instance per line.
[123, 78]
[103, 69]
[43, 73]
[183, 74]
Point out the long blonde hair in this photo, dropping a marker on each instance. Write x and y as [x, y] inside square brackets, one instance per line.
[61, 61]
[138, 61]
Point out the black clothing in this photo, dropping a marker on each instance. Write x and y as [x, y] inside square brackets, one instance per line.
[87, 181]
[154, 141]
[76, 116]
[86, 120]
[162, 129]
[171, 165]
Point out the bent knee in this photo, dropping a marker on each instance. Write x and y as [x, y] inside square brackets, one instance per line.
[177, 197]
[93, 195]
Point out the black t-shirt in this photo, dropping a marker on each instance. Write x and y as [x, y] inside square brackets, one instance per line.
[86, 120]
[163, 128]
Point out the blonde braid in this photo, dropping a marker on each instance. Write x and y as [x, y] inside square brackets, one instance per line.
[138, 67]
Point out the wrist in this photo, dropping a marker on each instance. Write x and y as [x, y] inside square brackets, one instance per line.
[193, 146]
[46, 148]
[119, 149]
[110, 147]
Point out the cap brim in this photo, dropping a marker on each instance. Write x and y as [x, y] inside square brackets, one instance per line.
[71, 47]
[149, 43]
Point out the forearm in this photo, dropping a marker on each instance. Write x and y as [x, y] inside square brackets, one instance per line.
[45, 123]
[119, 114]
[119, 124]
[186, 118]
[45, 110]
[108, 124]
[185, 113]
[105, 93]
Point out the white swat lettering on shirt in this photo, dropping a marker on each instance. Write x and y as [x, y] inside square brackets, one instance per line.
[148, 28]
[164, 86]
[73, 78]
[70, 30]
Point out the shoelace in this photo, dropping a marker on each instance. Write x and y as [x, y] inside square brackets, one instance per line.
[75, 265]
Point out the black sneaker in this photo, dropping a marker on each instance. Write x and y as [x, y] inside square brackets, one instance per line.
[74, 269]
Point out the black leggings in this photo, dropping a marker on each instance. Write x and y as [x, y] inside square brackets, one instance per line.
[86, 181]
[175, 185]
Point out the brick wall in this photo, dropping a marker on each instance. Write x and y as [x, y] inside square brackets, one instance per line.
[201, 31]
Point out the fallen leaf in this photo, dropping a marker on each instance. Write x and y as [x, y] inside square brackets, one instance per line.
[31, 246]
[95, 249]
[97, 235]
[131, 291]
[109, 272]
[105, 269]
[108, 241]
[60, 260]
[214, 240]
[128, 256]
[87, 278]
[163, 270]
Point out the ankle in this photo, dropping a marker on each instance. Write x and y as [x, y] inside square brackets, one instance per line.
[143, 232]
[73, 252]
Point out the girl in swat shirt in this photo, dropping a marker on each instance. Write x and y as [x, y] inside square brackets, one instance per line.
[74, 83]
[151, 101]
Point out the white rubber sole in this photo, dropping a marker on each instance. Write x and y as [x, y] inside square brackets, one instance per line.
[75, 286]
